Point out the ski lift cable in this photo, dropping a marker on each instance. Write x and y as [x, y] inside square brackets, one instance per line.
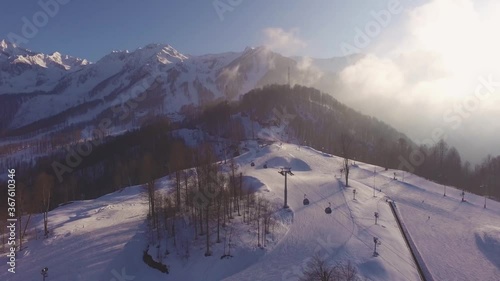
[411, 263]
[322, 197]
[427, 198]
[353, 228]
[354, 235]
[372, 234]
[385, 245]
[369, 232]
[354, 223]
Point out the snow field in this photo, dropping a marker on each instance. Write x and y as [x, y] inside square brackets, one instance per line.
[104, 238]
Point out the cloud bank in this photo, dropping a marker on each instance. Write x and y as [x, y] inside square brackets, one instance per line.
[282, 41]
[436, 70]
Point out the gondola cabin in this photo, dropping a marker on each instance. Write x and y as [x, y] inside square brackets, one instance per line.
[305, 201]
[328, 210]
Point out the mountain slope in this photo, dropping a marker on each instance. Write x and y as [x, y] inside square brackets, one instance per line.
[113, 229]
[458, 241]
[24, 71]
[176, 83]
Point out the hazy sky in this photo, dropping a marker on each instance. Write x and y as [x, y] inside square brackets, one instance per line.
[436, 72]
[431, 65]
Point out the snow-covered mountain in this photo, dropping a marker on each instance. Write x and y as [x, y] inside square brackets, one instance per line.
[24, 71]
[48, 92]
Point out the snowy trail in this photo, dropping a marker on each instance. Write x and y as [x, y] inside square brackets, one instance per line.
[447, 232]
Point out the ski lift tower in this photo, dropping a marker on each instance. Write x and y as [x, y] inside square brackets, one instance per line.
[484, 186]
[377, 242]
[284, 172]
[45, 272]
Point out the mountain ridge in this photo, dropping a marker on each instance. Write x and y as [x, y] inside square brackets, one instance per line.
[117, 78]
[25, 71]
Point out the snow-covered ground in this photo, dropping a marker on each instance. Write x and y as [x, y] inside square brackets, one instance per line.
[457, 240]
[103, 239]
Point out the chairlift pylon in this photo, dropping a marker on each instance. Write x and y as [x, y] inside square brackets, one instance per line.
[305, 201]
[328, 209]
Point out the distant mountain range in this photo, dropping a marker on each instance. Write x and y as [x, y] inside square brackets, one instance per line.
[42, 93]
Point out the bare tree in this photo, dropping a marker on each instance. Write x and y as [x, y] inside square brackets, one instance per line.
[317, 269]
[222, 195]
[186, 178]
[207, 184]
[257, 217]
[267, 214]
[345, 272]
[345, 145]
[148, 176]
[232, 183]
[23, 207]
[177, 162]
[178, 190]
[240, 193]
[151, 188]
[44, 184]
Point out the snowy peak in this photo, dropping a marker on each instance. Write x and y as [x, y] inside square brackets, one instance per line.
[16, 54]
[149, 54]
[4, 45]
[67, 62]
[8, 49]
[57, 60]
[24, 71]
[164, 54]
[169, 51]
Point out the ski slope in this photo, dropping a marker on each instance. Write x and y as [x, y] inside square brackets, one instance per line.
[103, 239]
[457, 240]
[346, 234]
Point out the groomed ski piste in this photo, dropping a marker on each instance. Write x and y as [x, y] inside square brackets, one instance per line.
[104, 239]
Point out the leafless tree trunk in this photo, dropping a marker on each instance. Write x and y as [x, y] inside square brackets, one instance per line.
[178, 190]
[258, 217]
[345, 145]
[235, 197]
[148, 176]
[44, 185]
[240, 192]
[207, 252]
[174, 220]
[23, 208]
[185, 175]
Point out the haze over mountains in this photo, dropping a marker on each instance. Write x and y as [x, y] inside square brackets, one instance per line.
[46, 93]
